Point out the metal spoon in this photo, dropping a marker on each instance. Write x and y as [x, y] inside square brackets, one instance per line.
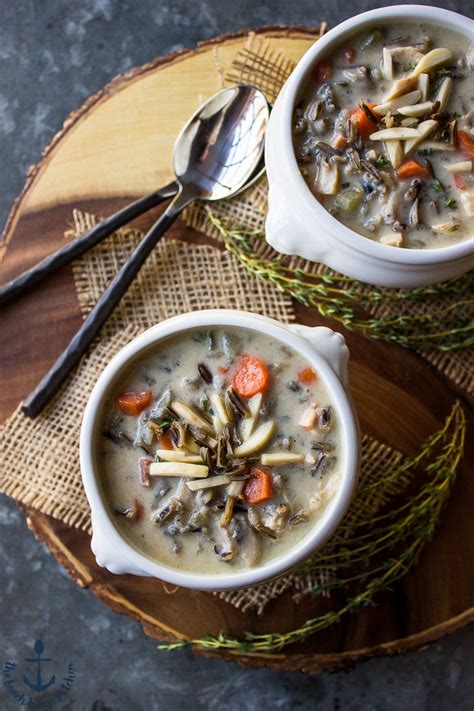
[214, 156]
[73, 249]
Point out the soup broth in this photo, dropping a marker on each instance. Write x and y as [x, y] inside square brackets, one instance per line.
[383, 135]
[218, 450]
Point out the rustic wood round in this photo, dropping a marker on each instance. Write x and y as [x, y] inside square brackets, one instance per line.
[116, 147]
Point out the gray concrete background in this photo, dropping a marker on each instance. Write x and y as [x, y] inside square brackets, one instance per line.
[53, 55]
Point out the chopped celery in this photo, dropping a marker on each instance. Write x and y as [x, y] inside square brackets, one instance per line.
[349, 199]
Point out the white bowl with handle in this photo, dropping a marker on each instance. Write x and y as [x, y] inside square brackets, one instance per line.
[297, 224]
[323, 348]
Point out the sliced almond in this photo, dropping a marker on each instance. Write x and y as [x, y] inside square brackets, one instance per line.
[235, 488]
[217, 424]
[446, 228]
[190, 444]
[404, 100]
[424, 130]
[436, 58]
[402, 86]
[443, 93]
[409, 122]
[416, 110]
[273, 458]
[434, 146]
[328, 179]
[464, 166]
[393, 239]
[408, 55]
[178, 455]
[211, 481]
[398, 133]
[191, 416]
[308, 418]
[394, 151]
[198, 471]
[424, 85]
[217, 403]
[248, 423]
[467, 201]
[387, 64]
[256, 441]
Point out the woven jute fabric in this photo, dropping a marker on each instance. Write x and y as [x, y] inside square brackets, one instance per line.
[267, 69]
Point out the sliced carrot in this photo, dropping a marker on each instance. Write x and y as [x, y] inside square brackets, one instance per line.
[322, 72]
[251, 376]
[412, 169]
[258, 488]
[144, 472]
[165, 441]
[134, 403]
[306, 376]
[349, 54]
[364, 126]
[466, 144]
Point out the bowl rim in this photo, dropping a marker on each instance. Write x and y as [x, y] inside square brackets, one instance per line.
[323, 528]
[354, 240]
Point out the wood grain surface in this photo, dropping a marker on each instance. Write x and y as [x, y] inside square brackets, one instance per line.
[115, 148]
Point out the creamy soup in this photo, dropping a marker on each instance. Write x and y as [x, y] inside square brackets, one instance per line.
[383, 135]
[218, 450]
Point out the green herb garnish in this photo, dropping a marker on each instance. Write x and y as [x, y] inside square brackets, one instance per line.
[382, 159]
[441, 72]
[342, 298]
[438, 187]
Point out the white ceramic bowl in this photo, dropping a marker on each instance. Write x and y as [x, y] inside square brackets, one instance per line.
[298, 224]
[323, 348]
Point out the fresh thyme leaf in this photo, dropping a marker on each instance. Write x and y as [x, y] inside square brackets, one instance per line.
[449, 326]
[441, 72]
[382, 159]
[369, 555]
[438, 187]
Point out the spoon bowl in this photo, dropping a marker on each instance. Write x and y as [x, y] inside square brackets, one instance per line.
[217, 151]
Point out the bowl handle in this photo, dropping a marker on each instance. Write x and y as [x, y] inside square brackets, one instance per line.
[107, 557]
[329, 345]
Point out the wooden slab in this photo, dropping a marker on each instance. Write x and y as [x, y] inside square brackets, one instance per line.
[117, 147]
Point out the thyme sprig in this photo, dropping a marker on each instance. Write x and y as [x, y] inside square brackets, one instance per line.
[349, 302]
[385, 549]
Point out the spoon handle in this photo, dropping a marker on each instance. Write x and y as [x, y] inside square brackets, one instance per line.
[89, 239]
[58, 373]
